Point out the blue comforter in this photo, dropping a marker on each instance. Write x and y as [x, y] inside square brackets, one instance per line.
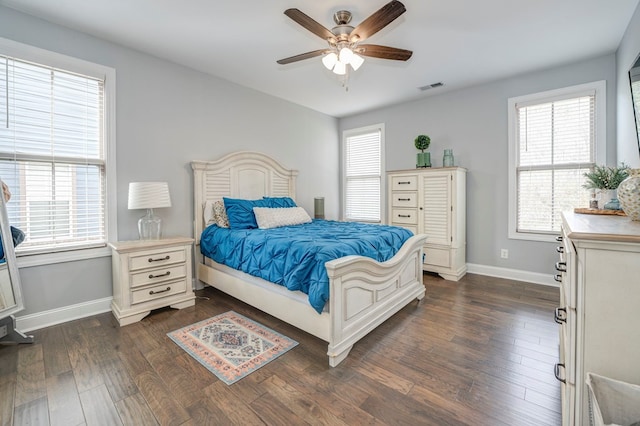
[294, 256]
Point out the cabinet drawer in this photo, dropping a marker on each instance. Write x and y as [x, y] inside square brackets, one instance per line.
[156, 275]
[405, 216]
[158, 291]
[154, 258]
[404, 183]
[404, 199]
[437, 257]
[411, 228]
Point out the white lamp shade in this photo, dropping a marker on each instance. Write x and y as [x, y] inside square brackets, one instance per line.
[330, 60]
[345, 55]
[340, 68]
[149, 195]
[356, 61]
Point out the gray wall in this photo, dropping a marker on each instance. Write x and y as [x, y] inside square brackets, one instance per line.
[473, 122]
[168, 115]
[627, 53]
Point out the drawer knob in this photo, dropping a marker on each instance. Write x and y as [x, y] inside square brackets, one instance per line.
[404, 199]
[561, 266]
[560, 249]
[404, 215]
[167, 257]
[560, 316]
[404, 182]
[166, 274]
[558, 278]
[559, 238]
[151, 292]
[556, 372]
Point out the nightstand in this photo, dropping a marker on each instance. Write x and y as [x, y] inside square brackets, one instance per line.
[150, 274]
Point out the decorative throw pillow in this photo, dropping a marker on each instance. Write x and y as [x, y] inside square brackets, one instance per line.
[279, 202]
[215, 213]
[240, 212]
[281, 216]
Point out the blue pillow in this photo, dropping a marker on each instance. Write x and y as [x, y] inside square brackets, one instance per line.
[274, 202]
[240, 212]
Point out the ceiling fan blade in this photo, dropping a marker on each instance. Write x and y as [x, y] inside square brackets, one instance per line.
[302, 56]
[308, 23]
[383, 52]
[380, 19]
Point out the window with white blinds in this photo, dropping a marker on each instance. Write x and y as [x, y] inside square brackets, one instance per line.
[52, 155]
[555, 142]
[363, 174]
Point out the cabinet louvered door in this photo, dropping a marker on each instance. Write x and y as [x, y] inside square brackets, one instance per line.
[436, 191]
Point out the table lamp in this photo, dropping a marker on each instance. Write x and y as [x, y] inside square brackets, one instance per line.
[149, 195]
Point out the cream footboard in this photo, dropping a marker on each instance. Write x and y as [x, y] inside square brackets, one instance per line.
[363, 292]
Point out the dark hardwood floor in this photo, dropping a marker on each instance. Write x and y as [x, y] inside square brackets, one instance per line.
[477, 352]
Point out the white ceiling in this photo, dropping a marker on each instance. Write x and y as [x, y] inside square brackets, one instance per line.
[457, 42]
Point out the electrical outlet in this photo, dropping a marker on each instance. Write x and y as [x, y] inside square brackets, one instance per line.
[504, 253]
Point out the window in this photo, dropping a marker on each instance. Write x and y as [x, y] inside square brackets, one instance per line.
[363, 173]
[554, 137]
[53, 148]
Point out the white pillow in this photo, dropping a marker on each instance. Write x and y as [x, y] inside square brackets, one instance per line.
[214, 212]
[282, 216]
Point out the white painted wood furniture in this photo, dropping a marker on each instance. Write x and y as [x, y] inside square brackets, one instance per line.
[149, 275]
[363, 292]
[432, 201]
[599, 312]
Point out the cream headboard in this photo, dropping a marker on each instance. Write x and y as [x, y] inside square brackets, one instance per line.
[244, 174]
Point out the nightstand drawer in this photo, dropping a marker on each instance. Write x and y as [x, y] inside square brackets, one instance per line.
[158, 275]
[154, 258]
[404, 216]
[404, 199]
[158, 291]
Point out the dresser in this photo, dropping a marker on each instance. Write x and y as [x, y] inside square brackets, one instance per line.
[432, 201]
[599, 312]
[149, 275]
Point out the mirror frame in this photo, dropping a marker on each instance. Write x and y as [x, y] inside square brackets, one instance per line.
[636, 114]
[10, 259]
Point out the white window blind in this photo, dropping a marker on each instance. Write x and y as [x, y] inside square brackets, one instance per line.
[52, 155]
[363, 175]
[555, 146]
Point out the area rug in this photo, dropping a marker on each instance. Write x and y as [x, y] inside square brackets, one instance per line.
[230, 345]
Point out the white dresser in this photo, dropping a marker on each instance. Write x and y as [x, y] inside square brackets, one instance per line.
[599, 312]
[432, 201]
[149, 275]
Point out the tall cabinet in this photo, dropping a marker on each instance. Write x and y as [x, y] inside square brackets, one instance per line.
[599, 312]
[432, 201]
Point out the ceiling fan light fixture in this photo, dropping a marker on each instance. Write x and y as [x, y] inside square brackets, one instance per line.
[329, 61]
[340, 68]
[346, 55]
[356, 62]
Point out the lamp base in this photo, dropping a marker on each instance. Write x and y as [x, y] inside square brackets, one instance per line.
[150, 226]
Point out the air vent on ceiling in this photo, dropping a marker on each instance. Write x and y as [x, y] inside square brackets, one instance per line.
[431, 86]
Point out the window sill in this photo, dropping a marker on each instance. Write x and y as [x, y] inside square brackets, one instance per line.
[545, 238]
[28, 261]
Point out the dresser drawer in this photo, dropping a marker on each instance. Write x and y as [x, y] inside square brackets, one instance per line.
[158, 291]
[404, 199]
[404, 183]
[155, 258]
[437, 257]
[156, 275]
[404, 216]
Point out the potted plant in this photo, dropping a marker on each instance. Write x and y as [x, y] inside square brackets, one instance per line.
[422, 142]
[605, 179]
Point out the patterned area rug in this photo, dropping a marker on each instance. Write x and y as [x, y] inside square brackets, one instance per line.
[230, 345]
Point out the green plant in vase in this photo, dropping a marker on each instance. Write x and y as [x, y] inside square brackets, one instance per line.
[607, 179]
[422, 142]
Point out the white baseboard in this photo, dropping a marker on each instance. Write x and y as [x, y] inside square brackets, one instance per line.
[44, 319]
[512, 274]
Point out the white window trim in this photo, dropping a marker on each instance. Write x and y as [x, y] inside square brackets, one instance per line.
[600, 88]
[383, 174]
[68, 63]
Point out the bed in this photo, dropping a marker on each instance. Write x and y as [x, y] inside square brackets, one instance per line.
[363, 293]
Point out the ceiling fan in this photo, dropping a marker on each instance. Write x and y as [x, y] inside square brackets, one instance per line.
[344, 40]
